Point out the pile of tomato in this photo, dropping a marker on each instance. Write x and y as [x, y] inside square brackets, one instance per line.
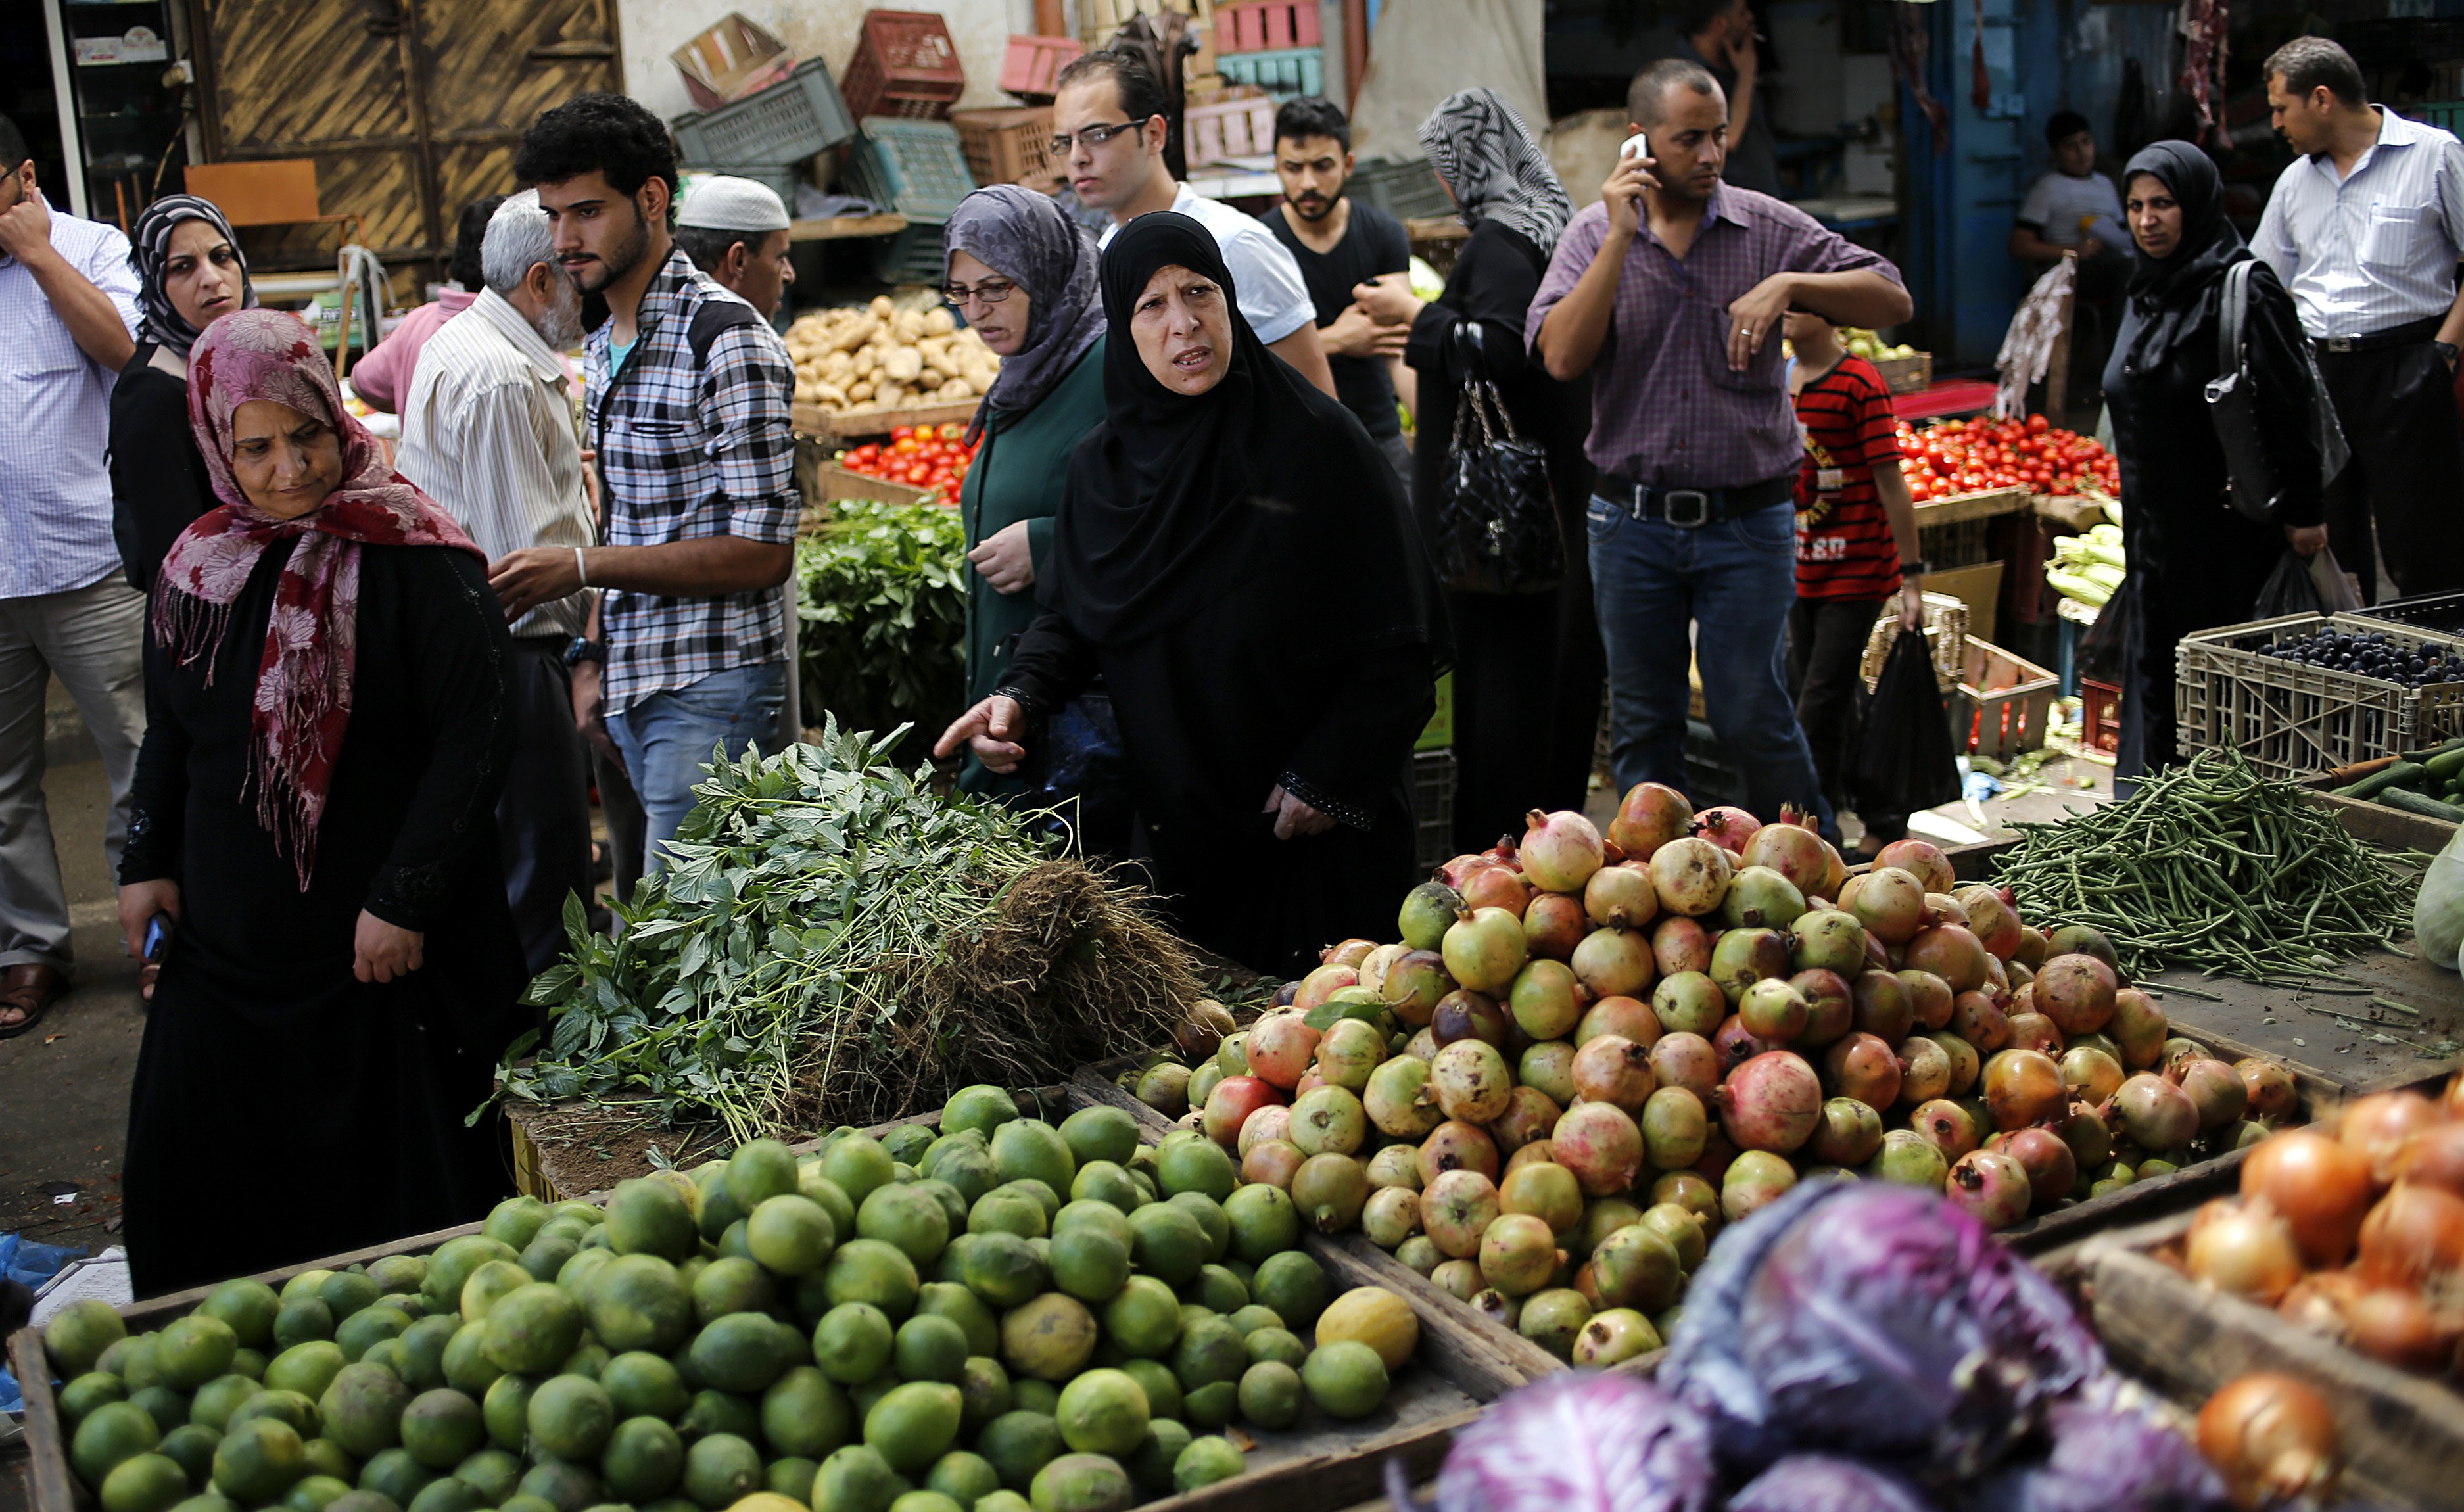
[933, 457]
[1966, 456]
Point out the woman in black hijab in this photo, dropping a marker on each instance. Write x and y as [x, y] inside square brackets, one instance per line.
[1235, 558]
[2195, 563]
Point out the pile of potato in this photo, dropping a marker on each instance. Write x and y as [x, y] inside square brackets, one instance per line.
[876, 356]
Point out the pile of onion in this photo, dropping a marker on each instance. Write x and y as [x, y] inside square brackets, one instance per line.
[2270, 1437]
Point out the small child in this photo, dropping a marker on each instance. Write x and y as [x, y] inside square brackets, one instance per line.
[1856, 545]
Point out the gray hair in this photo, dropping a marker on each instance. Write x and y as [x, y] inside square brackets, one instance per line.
[519, 238]
[1646, 98]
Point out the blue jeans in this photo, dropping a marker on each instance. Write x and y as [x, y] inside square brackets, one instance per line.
[666, 739]
[1735, 580]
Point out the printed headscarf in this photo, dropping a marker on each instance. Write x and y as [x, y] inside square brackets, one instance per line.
[304, 678]
[149, 250]
[1027, 238]
[1486, 155]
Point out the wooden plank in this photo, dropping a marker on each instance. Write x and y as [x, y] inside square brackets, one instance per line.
[1329, 1480]
[2077, 512]
[1983, 504]
[830, 427]
[839, 228]
[48, 1479]
[1486, 1351]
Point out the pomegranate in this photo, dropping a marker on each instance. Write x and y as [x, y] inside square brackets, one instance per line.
[1497, 888]
[1793, 851]
[2214, 1089]
[1537, 1151]
[1427, 909]
[1691, 876]
[1390, 1215]
[1614, 1069]
[1728, 827]
[1308, 1083]
[1994, 923]
[1396, 1166]
[1465, 1015]
[1686, 1059]
[1920, 859]
[1909, 1160]
[1950, 953]
[1280, 1047]
[1348, 1051]
[1614, 962]
[1884, 1008]
[1413, 983]
[1622, 894]
[1506, 1312]
[1773, 1011]
[1328, 1120]
[1863, 1068]
[1675, 1128]
[2024, 1087]
[1323, 983]
[1630, 1016]
[1929, 997]
[1559, 852]
[1826, 939]
[2153, 1113]
[1517, 1254]
[1549, 1066]
[1828, 1010]
[1285, 995]
[1232, 1104]
[1735, 1044]
[2033, 1030]
[1689, 1002]
[1455, 1146]
[2091, 1075]
[1472, 1081]
[1529, 1115]
[2090, 1143]
[1600, 1144]
[1989, 1186]
[1835, 879]
[2077, 993]
[1456, 1209]
[1680, 945]
[2138, 1028]
[1373, 969]
[1650, 816]
[1925, 1071]
[2268, 1089]
[1974, 1018]
[1272, 1163]
[2052, 1168]
[1350, 953]
[1484, 949]
[1553, 926]
[1849, 1134]
[2032, 952]
[1761, 898]
[1545, 999]
[1888, 902]
[1946, 1126]
[1635, 1267]
[1742, 957]
[1755, 1179]
[1331, 1189]
[1460, 1279]
[2079, 940]
[1770, 1103]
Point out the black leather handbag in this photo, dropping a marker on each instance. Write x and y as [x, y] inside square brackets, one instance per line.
[1497, 529]
[2233, 407]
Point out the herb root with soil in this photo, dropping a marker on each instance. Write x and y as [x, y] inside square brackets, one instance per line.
[831, 944]
[2211, 865]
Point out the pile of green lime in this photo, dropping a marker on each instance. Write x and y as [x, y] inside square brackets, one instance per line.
[999, 1315]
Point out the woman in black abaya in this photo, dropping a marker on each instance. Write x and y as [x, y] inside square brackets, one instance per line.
[1236, 558]
[2194, 563]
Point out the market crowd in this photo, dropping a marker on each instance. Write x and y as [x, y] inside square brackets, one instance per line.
[350, 705]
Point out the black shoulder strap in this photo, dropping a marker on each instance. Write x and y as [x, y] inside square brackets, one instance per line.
[712, 319]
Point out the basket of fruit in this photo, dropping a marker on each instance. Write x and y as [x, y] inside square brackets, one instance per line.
[2310, 692]
[1907, 370]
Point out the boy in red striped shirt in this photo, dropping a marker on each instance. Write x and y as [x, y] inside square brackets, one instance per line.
[1855, 543]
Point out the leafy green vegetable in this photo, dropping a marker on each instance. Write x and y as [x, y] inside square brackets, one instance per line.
[883, 606]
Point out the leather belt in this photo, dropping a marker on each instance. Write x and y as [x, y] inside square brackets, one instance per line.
[1690, 508]
[2405, 334]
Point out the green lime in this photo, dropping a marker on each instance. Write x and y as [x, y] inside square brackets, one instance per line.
[533, 1328]
[1002, 1268]
[1205, 1462]
[1270, 1395]
[812, 1182]
[570, 1417]
[284, 1406]
[858, 1166]
[145, 1483]
[191, 1447]
[1082, 1483]
[301, 1319]
[400, 1275]
[720, 1468]
[345, 1292]
[649, 1217]
[492, 1473]
[791, 1235]
[791, 1477]
[856, 1478]
[977, 1110]
[493, 1280]
[742, 1353]
[514, 1221]
[643, 1385]
[195, 1349]
[1210, 1350]
[314, 1493]
[396, 1477]
[852, 1343]
[1149, 1465]
[442, 1428]
[908, 1142]
[717, 1412]
[1195, 1164]
[805, 1412]
[1169, 1244]
[730, 1284]
[871, 1271]
[326, 1458]
[930, 1348]
[90, 1391]
[247, 1307]
[1049, 1338]
[369, 1328]
[506, 1410]
[1344, 1378]
[568, 1488]
[1035, 1396]
[902, 1216]
[446, 1494]
[1090, 1264]
[363, 1407]
[1103, 1412]
[639, 1301]
[961, 1307]
[644, 1459]
[1218, 1290]
[1101, 1132]
[257, 1460]
[1018, 1444]
[1212, 1406]
[925, 1502]
[170, 1409]
[914, 1424]
[420, 1351]
[1294, 1285]
[1264, 1222]
[759, 1170]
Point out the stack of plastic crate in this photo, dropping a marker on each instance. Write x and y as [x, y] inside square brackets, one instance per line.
[1275, 45]
[918, 169]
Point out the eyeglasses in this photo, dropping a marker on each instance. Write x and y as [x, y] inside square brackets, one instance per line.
[992, 291]
[1092, 135]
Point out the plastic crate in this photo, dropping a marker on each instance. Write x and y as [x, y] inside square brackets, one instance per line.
[1233, 125]
[2291, 720]
[787, 122]
[2005, 702]
[778, 178]
[1030, 64]
[905, 65]
[1009, 146]
[1260, 25]
[915, 168]
[1433, 807]
[2431, 611]
[912, 256]
[1407, 190]
[1285, 74]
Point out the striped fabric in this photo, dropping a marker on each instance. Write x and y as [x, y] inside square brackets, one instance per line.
[2378, 249]
[488, 431]
[1844, 540]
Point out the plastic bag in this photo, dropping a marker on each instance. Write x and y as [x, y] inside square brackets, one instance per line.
[2438, 912]
[1903, 759]
[2306, 586]
[2336, 594]
[2101, 656]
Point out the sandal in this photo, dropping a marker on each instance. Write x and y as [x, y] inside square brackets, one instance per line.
[30, 989]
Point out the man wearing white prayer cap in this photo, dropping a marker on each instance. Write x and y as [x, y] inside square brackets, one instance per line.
[736, 230]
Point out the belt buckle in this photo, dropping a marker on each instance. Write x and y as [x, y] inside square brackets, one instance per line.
[2344, 343]
[1671, 498]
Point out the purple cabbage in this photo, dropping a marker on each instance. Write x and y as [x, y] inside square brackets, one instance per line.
[1582, 1441]
[1877, 1321]
[1822, 1483]
[2105, 1459]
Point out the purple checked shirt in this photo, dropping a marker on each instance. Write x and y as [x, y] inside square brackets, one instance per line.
[1667, 412]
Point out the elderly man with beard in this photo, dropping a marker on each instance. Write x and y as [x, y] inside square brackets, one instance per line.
[488, 431]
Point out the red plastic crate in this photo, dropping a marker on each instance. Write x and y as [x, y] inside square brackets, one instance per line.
[905, 65]
[1264, 26]
[1031, 64]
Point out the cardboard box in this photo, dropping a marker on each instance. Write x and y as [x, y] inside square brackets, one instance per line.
[731, 60]
[1979, 587]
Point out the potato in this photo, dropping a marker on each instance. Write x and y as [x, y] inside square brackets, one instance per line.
[979, 383]
[860, 391]
[904, 364]
[937, 320]
[881, 307]
[955, 389]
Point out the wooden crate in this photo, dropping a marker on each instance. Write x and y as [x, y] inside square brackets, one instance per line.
[832, 427]
[1906, 375]
[1009, 146]
[2099, 716]
[1234, 123]
[2291, 720]
[2391, 826]
[2007, 699]
[1979, 587]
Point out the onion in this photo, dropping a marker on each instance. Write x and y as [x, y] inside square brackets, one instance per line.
[2245, 1249]
[2434, 1157]
[2271, 1436]
[2451, 1104]
[2393, 1325]
[2317, 1185]
[2317, 1301]
[2414, 1234]
[2378, 1126]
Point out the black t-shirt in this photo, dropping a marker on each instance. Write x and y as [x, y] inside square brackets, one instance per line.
[1373, 243]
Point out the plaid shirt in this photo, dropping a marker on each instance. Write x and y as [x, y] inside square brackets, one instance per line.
[687, 454]
[1667, 412]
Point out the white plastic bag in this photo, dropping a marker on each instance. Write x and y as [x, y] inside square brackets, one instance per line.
[2438, 912]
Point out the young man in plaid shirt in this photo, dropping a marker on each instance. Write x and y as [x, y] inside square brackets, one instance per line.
[688, 395]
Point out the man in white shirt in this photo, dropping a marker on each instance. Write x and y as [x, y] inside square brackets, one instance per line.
[1108, 127]
[2365, 227]
[68, 306]
[487, 430]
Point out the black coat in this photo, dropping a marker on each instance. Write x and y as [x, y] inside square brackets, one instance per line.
[158, 484]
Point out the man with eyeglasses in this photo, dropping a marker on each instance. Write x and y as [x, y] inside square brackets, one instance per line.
[1109, 131]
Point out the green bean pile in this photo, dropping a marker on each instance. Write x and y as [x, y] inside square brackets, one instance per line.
[2211, 865]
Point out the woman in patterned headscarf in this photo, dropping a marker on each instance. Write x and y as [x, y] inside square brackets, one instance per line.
[191, 272]
[1528, 674]
[312, 819]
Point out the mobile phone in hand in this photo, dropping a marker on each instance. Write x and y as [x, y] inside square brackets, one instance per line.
[1638, 146]
[158, 937]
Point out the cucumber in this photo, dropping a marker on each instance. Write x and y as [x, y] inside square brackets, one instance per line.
[2413, 802]
[2441, 749]
[2401, 774]
[2446, 765]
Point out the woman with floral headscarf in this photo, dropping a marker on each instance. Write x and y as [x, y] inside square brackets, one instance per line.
[190, 273]
[1527, 691]
[313, 822]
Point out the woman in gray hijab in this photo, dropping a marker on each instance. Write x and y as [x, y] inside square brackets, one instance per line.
[1022, 273]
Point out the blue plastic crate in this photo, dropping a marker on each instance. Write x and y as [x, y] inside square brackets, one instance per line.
[912, 256]
[1284, 72]
[787, 122]
[916, 168]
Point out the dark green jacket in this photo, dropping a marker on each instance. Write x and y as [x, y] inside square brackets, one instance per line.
[1019, 474]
